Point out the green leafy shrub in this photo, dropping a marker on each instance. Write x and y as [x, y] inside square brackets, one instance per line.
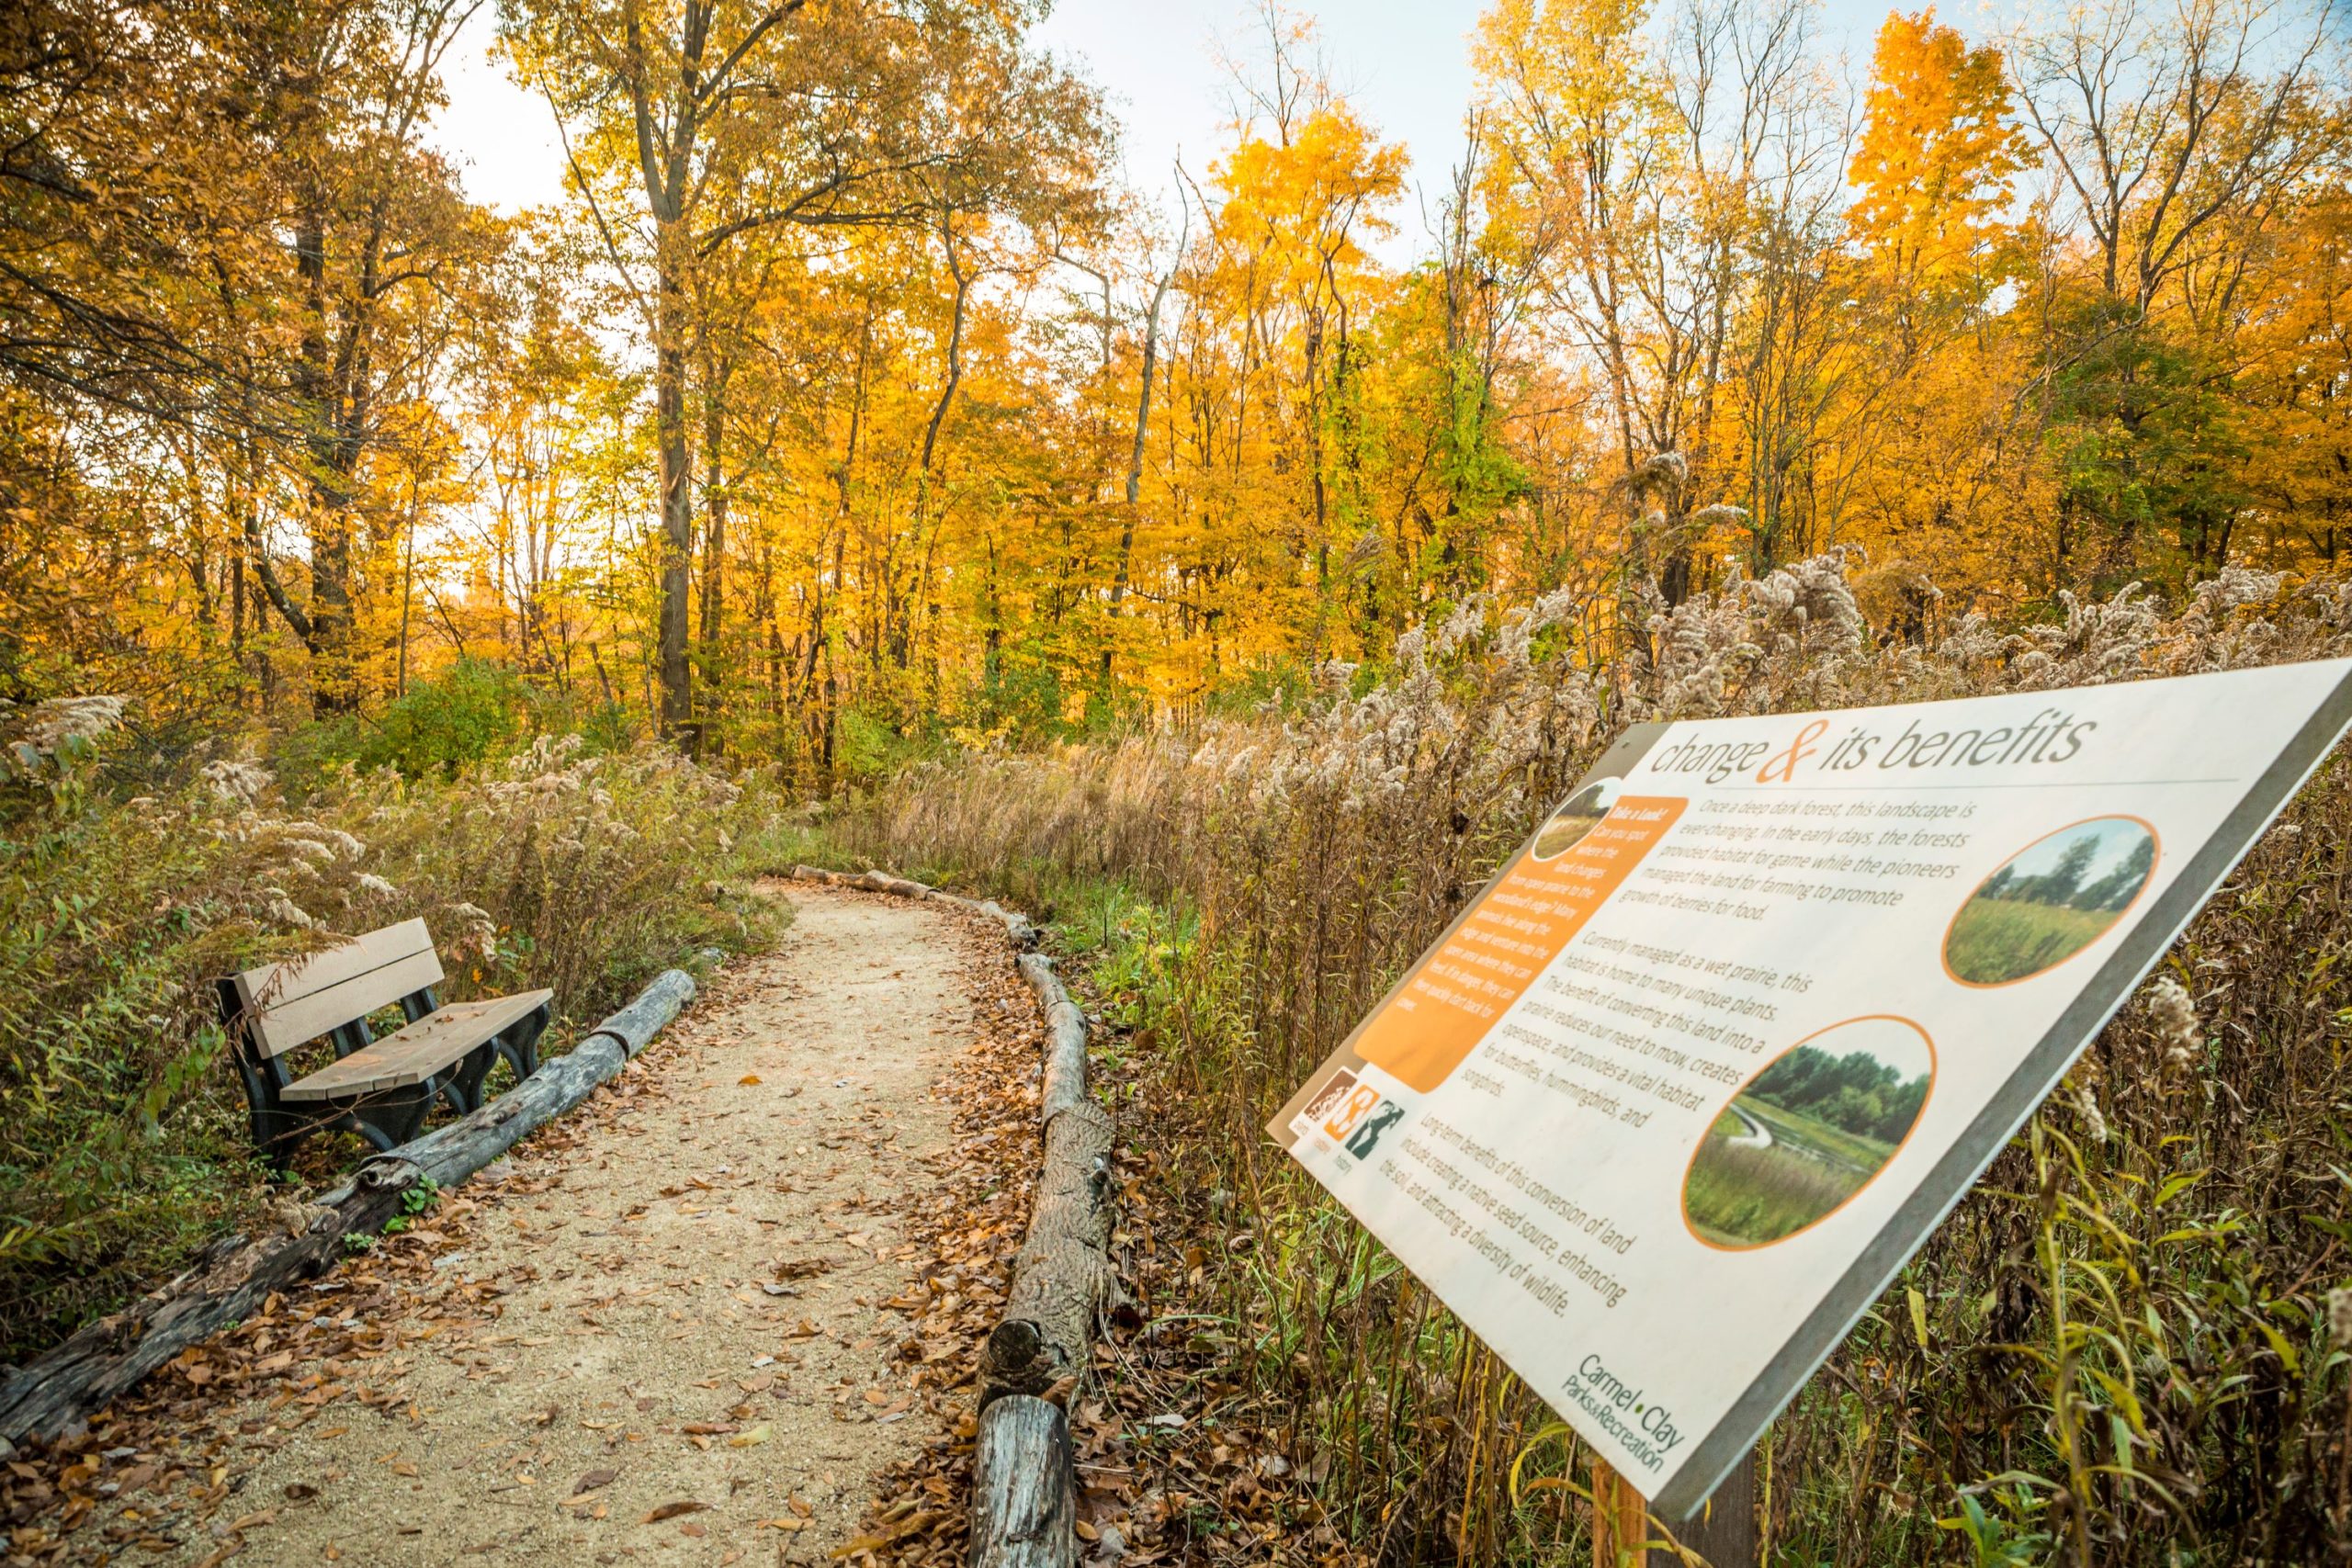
[472, 711]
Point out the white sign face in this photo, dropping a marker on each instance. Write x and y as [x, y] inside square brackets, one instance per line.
[1680, 1091]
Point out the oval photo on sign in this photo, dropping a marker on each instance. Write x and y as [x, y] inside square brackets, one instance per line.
[1577, 815]
[1809, 1131]
[2049, 901]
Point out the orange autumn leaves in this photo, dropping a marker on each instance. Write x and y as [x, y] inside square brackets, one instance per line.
[1002, 451]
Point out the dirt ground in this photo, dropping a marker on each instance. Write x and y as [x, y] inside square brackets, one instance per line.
[676, 1330]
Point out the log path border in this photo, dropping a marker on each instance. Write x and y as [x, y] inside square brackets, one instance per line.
[1024, 1503]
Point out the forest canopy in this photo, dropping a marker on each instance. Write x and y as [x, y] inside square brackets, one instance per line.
[848, 404]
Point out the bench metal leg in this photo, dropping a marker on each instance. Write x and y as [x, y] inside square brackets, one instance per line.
[390, 1118]
[278, 1128]
[463, 1086]
[520, 1043]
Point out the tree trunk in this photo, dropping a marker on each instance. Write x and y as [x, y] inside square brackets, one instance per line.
[1135, 453]
[714, 555]
[326, 632]
[677, 492]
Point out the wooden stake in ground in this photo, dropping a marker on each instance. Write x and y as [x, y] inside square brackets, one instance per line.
[1725, 1531]
[1620, 1520]
[1024, 1507]
[1723, 1535]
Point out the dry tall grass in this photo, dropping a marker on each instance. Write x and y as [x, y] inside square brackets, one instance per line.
[2125, 1347]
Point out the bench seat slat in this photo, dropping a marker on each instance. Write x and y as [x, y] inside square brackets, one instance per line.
[417, 1051]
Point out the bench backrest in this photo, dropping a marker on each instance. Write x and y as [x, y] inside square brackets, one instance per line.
[288, 1004]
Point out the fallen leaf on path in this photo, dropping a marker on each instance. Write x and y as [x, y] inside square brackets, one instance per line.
[749, 1440]
[594, 1479]
[671, 1510]
[749, 1079]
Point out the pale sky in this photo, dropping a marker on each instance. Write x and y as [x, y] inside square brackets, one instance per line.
[1405, 63]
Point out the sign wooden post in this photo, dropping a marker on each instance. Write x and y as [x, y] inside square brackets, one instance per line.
[1682, 1089]
[1723, 1533]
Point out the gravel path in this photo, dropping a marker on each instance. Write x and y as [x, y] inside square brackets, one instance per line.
[673, 1328]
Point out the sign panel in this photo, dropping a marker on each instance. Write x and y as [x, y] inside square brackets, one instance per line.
[1678, 1094]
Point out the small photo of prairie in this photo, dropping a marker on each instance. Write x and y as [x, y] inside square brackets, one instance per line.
[1577, 815]
[1807, 1132]
[2053, 899]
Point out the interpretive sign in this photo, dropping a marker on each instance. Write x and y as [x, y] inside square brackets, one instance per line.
[1676, 1095]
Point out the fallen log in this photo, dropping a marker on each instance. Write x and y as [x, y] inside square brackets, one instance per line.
[55, 1392]
[1064, 1078]
[1062, 1278]
[1024, 1513]
[1018, 929]
[1016, 925]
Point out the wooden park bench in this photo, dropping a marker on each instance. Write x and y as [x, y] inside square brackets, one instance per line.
[377, 1089]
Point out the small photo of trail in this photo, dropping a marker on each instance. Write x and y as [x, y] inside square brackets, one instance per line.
[1808, 1133]
[2049, 901]
[1577, 815]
